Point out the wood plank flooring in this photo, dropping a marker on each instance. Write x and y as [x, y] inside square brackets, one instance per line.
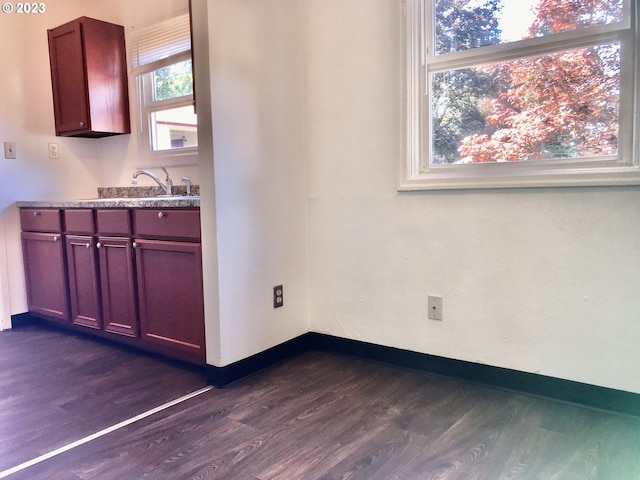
[57, 387]
[316, 416]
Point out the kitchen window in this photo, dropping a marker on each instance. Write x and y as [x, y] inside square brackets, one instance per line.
[521, 93]
[161, 62]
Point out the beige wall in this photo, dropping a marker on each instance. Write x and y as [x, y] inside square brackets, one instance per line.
[539, 280]
[260, 191]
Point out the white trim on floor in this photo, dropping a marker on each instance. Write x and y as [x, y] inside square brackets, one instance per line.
[101, 433]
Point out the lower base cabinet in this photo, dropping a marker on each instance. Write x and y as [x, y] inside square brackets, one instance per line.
[170, 293]
[45, 275]
[130, 275]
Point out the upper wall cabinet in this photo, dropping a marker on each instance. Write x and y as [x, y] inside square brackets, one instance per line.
[89, 79]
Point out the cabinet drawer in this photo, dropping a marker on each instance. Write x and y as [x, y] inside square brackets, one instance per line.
[40, 220]
[79, 221]
[113, 222]
[167, 223]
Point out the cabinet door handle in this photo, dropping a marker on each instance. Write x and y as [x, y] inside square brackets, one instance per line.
[55, 238]
[135, 244]
[88, 245]
[98, 245]
[82, 124]
[36, 213]
[161, 214]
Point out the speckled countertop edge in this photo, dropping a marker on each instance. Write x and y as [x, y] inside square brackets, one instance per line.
[123, 197]
[153, 202]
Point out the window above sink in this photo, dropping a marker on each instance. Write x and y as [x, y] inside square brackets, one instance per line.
[161, 63]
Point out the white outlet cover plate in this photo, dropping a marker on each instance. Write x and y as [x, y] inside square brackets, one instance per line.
[435, 307]
[54, 152]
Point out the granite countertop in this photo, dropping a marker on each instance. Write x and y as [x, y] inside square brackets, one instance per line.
[125, 197]
[150, 202]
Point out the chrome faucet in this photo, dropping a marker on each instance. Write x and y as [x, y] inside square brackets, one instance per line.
[168, 182]
[187, 182]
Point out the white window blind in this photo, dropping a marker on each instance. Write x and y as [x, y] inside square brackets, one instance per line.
[158, 44]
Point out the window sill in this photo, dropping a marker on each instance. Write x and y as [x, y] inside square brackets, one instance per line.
[452, 177]
[171, 157]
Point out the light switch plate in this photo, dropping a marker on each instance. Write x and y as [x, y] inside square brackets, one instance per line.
[9, 149]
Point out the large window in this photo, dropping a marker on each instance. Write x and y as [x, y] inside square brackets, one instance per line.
[161, 62]
[508, 93]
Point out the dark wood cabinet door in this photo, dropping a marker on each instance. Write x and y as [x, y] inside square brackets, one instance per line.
[171, 298]
[118, 288]
[45, 274]
[83, 281]
[89, 78]
[70, 99]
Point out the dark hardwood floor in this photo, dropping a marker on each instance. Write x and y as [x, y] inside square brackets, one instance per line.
[57, 387]
[316, 416]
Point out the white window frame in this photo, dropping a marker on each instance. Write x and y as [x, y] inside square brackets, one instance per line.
[416, 173]
[178, 51]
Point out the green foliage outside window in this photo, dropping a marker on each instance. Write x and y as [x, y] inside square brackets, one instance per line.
[173, 81]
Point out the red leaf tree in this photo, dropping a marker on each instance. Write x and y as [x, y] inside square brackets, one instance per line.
[563, 104]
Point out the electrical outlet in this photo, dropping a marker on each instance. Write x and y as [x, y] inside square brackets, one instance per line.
[9, 149]
[54, 152]
[278, 296]
[435, 307]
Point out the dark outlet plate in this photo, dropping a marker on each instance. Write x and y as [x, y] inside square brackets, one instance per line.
[278, 296]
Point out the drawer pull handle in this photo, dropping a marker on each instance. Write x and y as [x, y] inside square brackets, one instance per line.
[35, 214]
[161, 214]
[98, 245]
